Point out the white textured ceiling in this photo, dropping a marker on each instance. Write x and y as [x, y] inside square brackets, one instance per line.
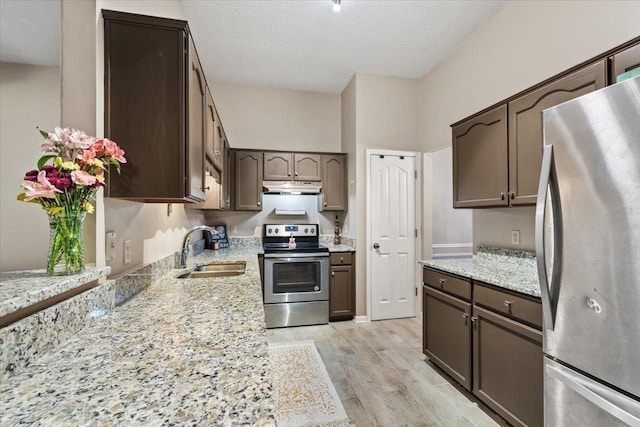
[30, 32]
[303, 44]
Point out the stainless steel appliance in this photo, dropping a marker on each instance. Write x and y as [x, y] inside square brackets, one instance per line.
[588, 253]
[296, 275]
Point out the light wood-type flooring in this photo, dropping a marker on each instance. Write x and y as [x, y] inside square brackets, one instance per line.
[382, 377]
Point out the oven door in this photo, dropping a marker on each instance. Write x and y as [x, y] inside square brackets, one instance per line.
[291, 278]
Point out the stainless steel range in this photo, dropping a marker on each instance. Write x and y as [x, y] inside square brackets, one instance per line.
[296, 275]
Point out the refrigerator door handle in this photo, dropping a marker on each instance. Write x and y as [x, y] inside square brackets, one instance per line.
[618, 405]
[548, 180]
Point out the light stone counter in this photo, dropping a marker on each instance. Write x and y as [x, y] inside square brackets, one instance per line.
[514, 270]
[20, 289]
[182, 351]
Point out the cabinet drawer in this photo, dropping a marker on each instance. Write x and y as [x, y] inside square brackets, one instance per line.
[341, 258]
[507, 303]
[447, 283]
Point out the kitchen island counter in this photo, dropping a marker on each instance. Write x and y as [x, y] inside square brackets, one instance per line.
[183, 351]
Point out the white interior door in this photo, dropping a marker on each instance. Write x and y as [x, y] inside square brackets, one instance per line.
[392, 244]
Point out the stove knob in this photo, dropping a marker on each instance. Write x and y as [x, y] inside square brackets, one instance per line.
[269, 230]
[313, 231]
[277, 229]
[306, 230]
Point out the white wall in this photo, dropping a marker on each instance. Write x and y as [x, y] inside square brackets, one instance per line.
[153, 232]
[452, 228]
[29, 97]
[279, 119]
[385, 112]
[525, 43]
[246, 222]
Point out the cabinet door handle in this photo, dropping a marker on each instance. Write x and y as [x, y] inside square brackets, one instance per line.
[325, 203]
[207, 188]
[512, 194]
[296, 173]
[258, 203]
[501, 195]
[473, 319]
[465, 316]
[333, 274]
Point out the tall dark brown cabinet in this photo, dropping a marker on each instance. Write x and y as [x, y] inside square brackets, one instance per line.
[248, 180]
[525, 127]
[334, 182]
[480, 160]
[154, 108]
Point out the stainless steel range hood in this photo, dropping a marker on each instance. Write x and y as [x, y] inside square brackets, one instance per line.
[292, 187]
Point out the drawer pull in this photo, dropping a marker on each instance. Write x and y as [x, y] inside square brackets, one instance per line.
[465, 316]
[341, 259]
[508, 303]
[441, 281]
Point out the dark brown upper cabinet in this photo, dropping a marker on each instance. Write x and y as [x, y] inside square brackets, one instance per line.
[480, 160]
[307, 167]
[196, 125]
[248, 180]
[292, 166]
[226, 175]
[525, 127]
[213, 134]
[624, 61]
[334, 182]
[154, 108]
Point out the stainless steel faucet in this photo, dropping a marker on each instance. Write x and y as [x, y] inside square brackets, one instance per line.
[185, 247]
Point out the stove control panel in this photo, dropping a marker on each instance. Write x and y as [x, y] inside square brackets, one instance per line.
[285, 230]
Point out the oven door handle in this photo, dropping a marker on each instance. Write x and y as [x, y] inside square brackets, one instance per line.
[295, 257]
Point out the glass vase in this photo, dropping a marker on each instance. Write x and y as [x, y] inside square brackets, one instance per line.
[66, 243]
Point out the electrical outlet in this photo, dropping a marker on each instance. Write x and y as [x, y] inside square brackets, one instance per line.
[110, 246]
[234, 229]
[127, 251]
[515, 237]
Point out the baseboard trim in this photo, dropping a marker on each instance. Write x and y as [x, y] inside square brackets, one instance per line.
[361, 319]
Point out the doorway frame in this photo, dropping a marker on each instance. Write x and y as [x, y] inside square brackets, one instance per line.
[417, 156]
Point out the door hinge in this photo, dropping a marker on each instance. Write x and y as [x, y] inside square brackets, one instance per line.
[416, 232]
[415, 174]
[416, 291]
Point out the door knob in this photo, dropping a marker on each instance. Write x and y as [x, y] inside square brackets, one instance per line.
[376, 246]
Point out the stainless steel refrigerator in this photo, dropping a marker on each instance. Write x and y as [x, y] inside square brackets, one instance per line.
[588, 253]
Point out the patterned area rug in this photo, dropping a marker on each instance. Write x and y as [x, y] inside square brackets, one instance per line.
[304, 393]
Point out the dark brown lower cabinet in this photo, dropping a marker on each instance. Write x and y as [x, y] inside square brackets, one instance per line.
[446, 333]
[342, 292]
[508, 367]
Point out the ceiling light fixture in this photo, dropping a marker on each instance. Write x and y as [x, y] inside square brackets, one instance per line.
[336, 5]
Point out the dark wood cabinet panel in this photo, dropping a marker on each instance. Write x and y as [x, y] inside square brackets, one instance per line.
[210, 126]
[447, 283]
[196, 125]
[625, 61]
[447, 333]
[248, 180]
[342, 286]
[508, 367]
[278, 166]
[334, 182]
[525, 127]
[307, 167]
[341, 301]
[226, 175]
[480, 160]
[510, 304]
[148, 83]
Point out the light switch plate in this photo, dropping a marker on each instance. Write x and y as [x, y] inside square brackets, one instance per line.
[515, 237]
[127, 251]
[110, 246]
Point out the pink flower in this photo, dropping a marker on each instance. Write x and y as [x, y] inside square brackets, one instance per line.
[40, 188]
[81, 177]
[86, 156]
[112, 149]
[79, 139]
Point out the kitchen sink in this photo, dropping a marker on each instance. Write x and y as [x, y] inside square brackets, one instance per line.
[215, 270]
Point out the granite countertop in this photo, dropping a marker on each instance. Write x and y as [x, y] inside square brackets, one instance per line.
[340, 248]
[20, 289]
[513, 270]
[183, 351]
